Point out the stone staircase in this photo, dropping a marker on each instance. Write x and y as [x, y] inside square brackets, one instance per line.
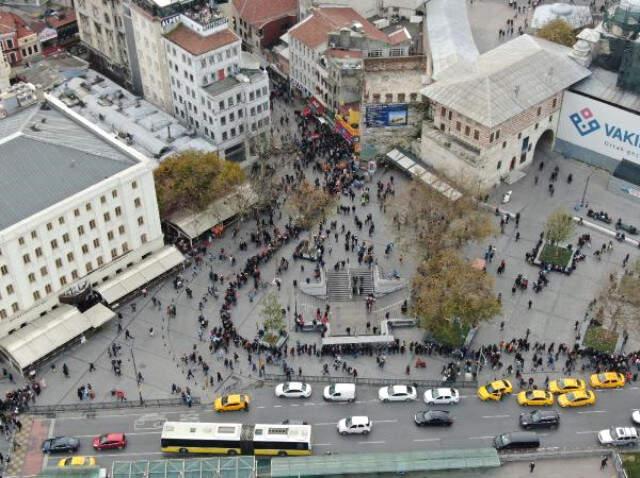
[363, 276]
[338, 285]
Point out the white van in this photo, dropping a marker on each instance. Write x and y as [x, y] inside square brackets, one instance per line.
[340, 392]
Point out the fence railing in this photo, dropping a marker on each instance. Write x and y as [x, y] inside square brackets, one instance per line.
[97, 406]
[271, 377]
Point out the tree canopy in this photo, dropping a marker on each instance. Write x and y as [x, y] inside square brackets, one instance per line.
[558, 31]
[193, 179]
[559, 226]
[309, 204]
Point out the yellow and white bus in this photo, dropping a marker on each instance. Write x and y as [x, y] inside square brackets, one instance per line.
[235, 439]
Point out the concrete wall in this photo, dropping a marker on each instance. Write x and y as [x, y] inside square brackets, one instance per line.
[586, 155]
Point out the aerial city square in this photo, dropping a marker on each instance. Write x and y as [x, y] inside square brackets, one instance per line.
[318, 238]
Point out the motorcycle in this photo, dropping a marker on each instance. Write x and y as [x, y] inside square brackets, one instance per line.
[599, 216]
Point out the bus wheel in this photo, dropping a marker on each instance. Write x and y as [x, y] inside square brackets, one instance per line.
[282, 453]
[183, 451]
[232, 452]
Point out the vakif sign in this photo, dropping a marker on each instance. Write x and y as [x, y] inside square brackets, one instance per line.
[599, 127]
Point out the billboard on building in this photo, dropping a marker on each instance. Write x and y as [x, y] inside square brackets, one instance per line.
[393, 114]
[600, 127]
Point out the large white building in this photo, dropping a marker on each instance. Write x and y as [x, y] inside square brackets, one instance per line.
[211, 91]
[5, 73]
[79, 213]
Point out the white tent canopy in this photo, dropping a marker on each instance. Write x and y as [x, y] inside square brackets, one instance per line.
[46, 334]
[153, 266]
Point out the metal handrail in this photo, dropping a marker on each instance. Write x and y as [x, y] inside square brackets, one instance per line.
[271, 377]
[95, 406]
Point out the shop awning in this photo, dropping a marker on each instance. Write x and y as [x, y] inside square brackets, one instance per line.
[48, 333]
[137, 276]
[193, 225]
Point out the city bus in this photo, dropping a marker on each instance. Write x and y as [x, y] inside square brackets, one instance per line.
[235, 439]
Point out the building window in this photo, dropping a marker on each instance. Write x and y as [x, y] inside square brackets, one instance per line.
[26, 259]
[520, 135]
[88, 206]
[10, 289]
[134, 185]
[88, 266]
[443, 111]
[85, 249]
[100, 261]
[140, 221]
[114, 253]
[118, 211]
[137, 202]
[96, 243]
[3, 314]
[70, 257]
[103, 200]
[92, 224]
[38, 252]
[74, 274]
[54, 244]
[80, 230]
[467, 130]
[554, 102]
[110, 235]
[32, 277]
[34, 234]
[61, 220]
[76, 212]
[48, 289]
[107, 217]
[36, 295]
[536, 126]
[388, 98]
[114, 193]
[504, 144]
[49, 226]
[43, 271]
[21, 241]
[63, 280]
[539, 111]
[476, 134]
[4, 270]
[143, 238]
[491, 138]
[550, 118]
[497, 135]
[15, 307]
[58, 263]
[121, 229]
[125, 247]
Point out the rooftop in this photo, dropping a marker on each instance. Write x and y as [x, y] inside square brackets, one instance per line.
[10, 23]
[47, 155]
[313, 30]
[128, 118]
[260, 12]
[197, 44]
[218, 87]
[602, 85]
[507, 80]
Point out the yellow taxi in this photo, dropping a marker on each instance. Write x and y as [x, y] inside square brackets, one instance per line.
[535, 398]
[231, 403]
[580, 398]
[607, 380]
[495, 390]
[567, 384]
[74, 461]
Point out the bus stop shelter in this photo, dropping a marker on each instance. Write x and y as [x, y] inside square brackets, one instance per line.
[219, 467]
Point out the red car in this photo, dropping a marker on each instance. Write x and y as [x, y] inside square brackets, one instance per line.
[109, 441]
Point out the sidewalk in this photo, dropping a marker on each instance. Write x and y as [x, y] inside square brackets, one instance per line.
[556, 468]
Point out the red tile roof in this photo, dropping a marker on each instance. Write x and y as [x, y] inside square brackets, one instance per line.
[196, 44]
[12, 23]
[399, 36]
[314, 29]
[60, 20]
[258, 13]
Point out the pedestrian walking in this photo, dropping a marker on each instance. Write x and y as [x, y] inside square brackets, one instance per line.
[603, 462]
[92, 368]
[532, 466]
[530, 304]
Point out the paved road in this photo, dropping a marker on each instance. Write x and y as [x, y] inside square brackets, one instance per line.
[476, 423]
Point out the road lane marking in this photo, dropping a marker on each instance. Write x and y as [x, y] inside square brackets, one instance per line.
[385, 421]
[262, 406]
[295, 405]
[277, 406]
[426, 439]
[322, 444]
[372, 442]
[586, 432]
[592, 411]
[496, 416]
[141, 453]
[324, 424]
[483, 437]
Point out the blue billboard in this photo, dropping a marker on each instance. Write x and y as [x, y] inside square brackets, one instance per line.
[395, 114]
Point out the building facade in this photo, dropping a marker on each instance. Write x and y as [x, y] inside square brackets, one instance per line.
[19, 41]
[260, 24]
[5, 73]
[211, 92]
[81, 217]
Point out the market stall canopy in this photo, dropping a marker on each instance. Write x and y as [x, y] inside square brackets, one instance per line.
[195, 224]
[142, 273]
[42, 336]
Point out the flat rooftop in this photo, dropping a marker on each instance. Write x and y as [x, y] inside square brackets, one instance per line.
[602, 85]
[45, 157]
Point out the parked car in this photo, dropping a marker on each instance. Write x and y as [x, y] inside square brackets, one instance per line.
[540, 419]
[433, 418]
[61, 444]
[618, 436]
[293, 390]
[441, 396]
[359, 425]
[110, 441]
[397, 393]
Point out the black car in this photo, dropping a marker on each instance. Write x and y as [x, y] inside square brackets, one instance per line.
[540, 419]
[433, 418]
[60, 444]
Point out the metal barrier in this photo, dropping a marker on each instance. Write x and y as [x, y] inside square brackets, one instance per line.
[271, 377]
[97, 406]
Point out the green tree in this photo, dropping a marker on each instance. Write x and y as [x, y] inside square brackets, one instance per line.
[558, 31]
[559, 227]
[309, 204]
[449, 295]
[273, 314]
[194, 179]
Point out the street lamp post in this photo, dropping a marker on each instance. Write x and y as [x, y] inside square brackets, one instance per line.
[586, 186]
[135, 371]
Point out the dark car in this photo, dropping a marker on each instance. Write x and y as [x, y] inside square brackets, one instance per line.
[433, 418]
[540, 419]
[516, 441]
[60, 445]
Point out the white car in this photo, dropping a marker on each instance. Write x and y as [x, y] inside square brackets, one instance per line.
[293, 390]
[354, 426]
[618, 436]
[635, 416]
[441, 396]
[397, 393]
